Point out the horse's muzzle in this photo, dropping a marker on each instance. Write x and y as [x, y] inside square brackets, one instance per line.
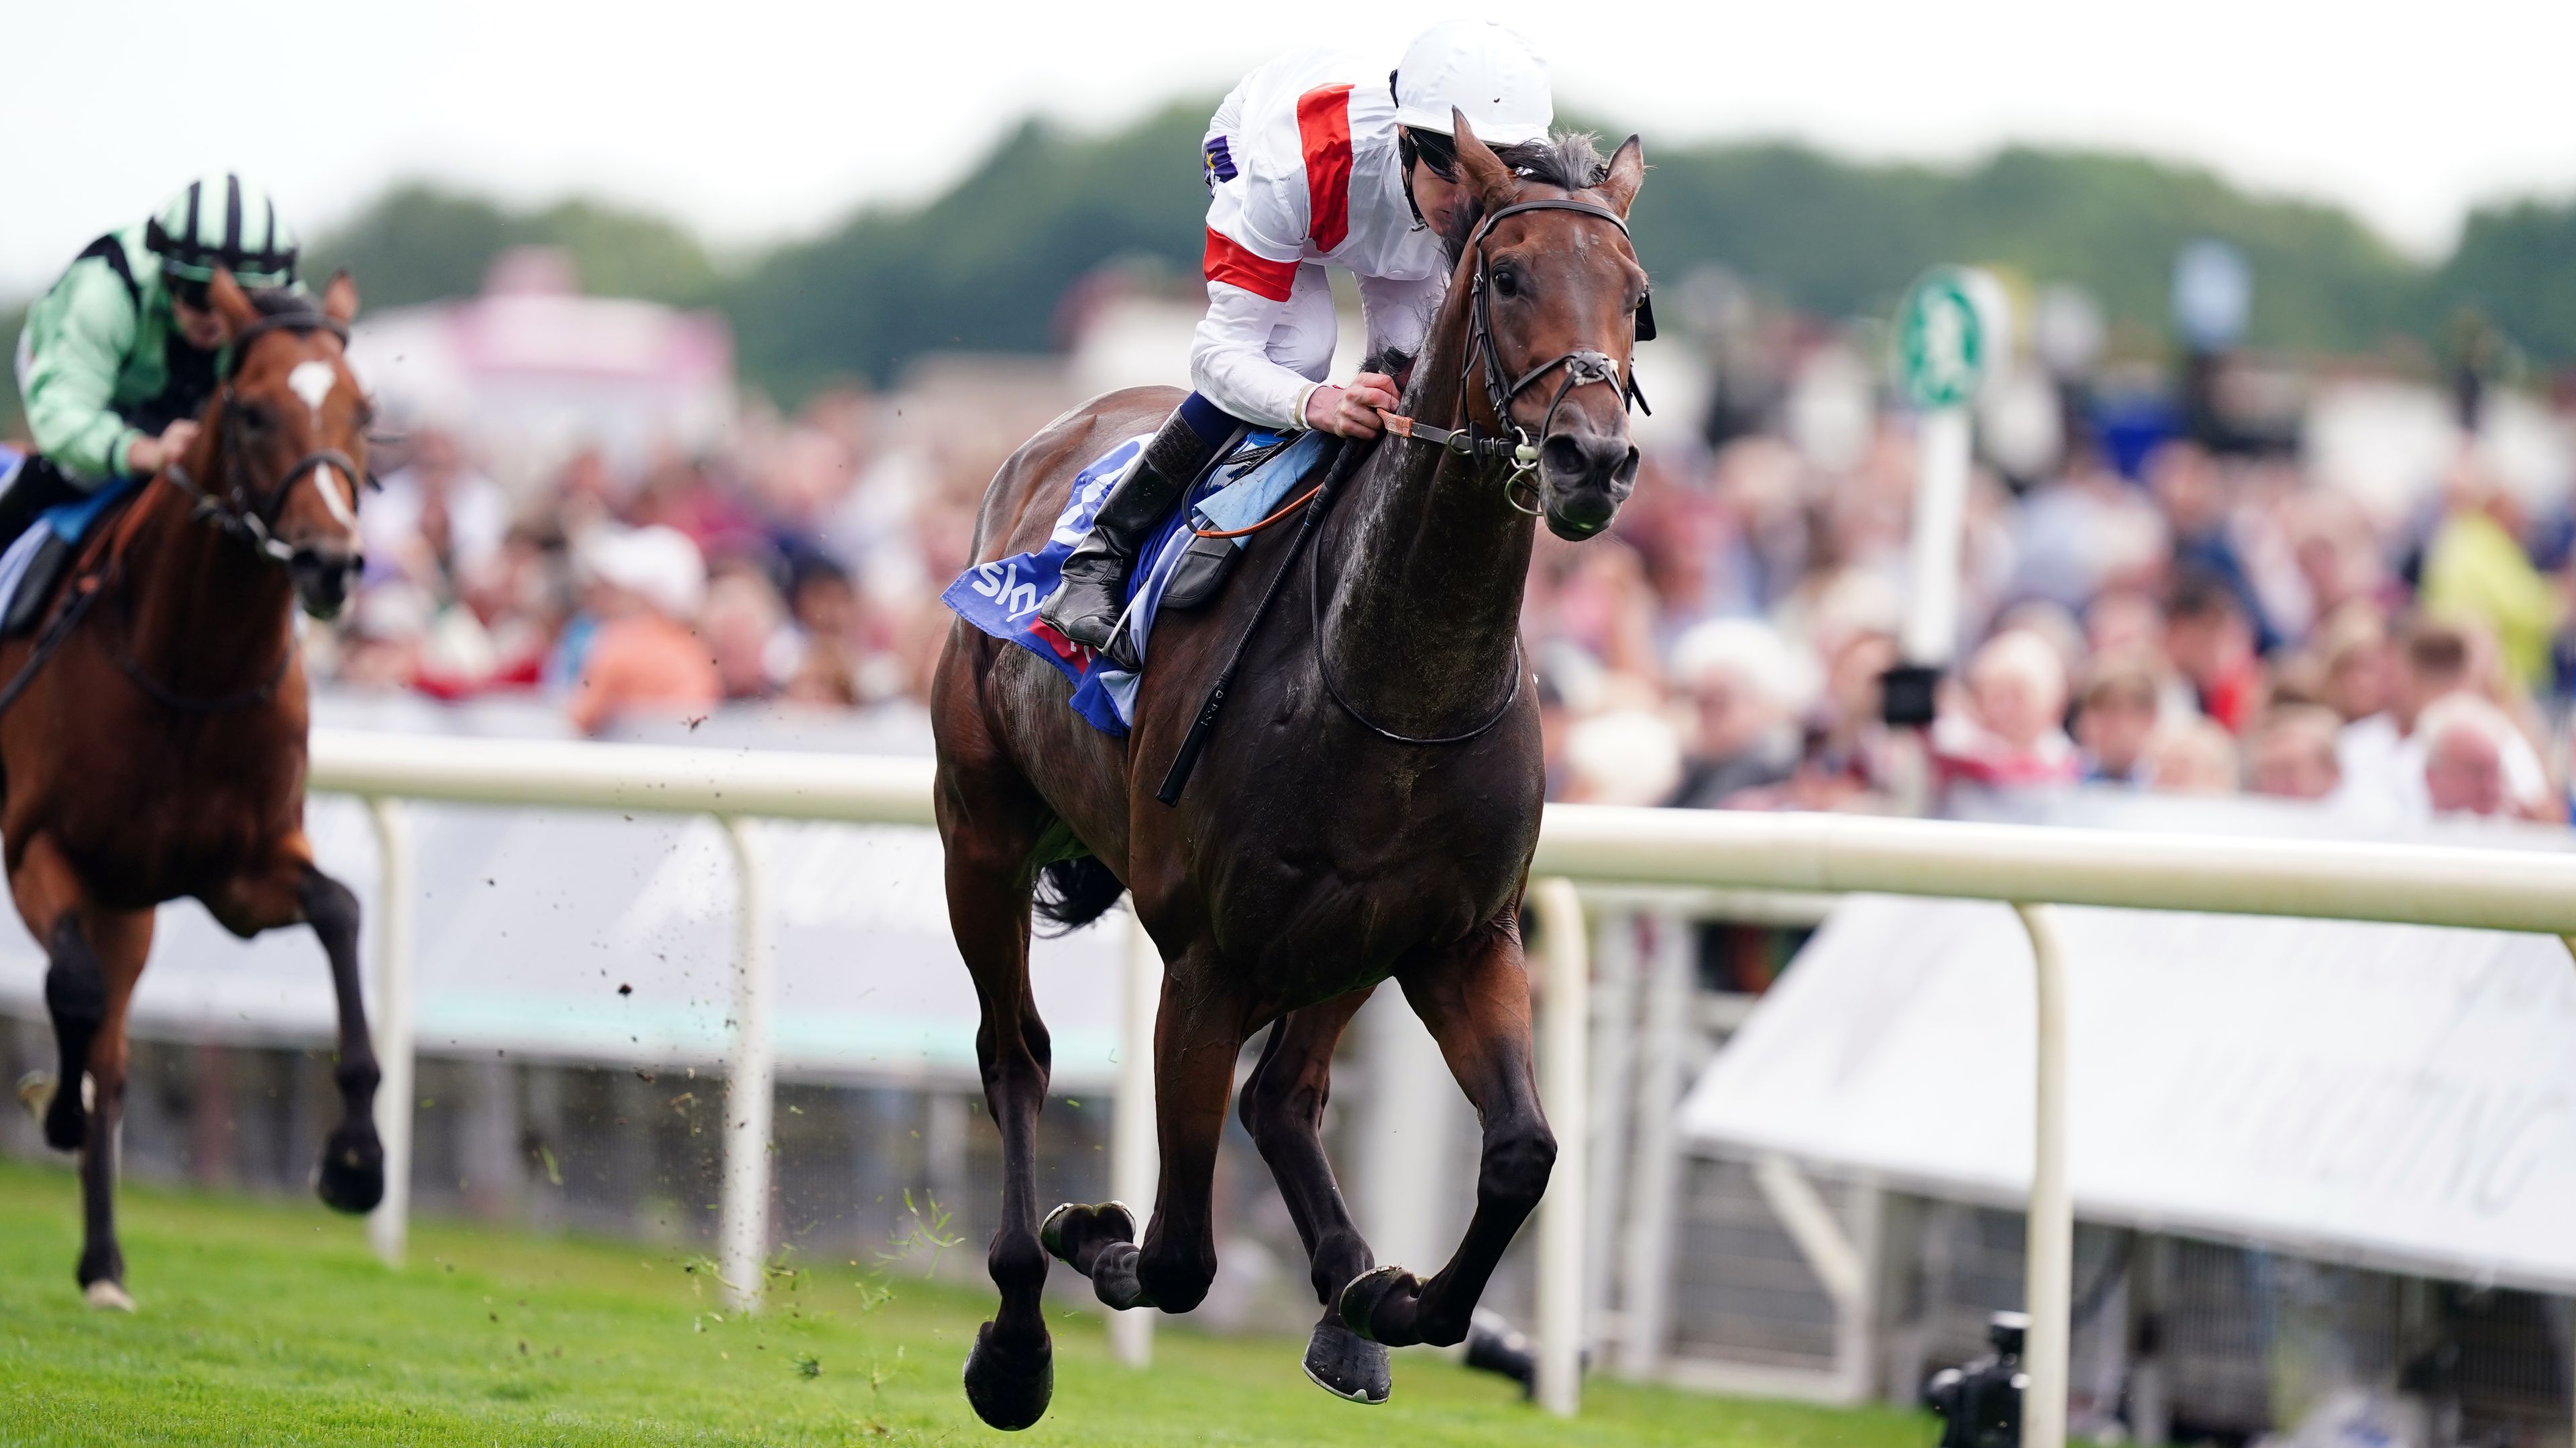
[1587, 475]
[323, 577]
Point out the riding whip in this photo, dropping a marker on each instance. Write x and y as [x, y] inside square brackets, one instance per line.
[1187, 758]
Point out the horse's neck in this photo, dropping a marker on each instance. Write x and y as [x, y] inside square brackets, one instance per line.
[204, 612]
[1425, 569]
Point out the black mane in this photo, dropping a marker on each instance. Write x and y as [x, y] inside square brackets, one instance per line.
[1569, 162]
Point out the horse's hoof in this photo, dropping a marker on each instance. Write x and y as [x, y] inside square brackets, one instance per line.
[1009, 1385]
[1347, 1366]
[66, 1120]
[107, 1296]
[1073, 1226]
[352, 1178]
[1373, 1290]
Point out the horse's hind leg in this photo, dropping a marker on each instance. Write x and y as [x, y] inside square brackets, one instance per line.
[990, 827]
[1283, 1108]
[93, 958]
[118, 941]
[291, 889]
[1476, 1002]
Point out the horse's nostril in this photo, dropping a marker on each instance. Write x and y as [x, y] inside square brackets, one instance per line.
[1564, 456]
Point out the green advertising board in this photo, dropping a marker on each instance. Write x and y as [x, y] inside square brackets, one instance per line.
[1942, 346]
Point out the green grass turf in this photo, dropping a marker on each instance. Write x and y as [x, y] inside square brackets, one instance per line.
[268, 1322]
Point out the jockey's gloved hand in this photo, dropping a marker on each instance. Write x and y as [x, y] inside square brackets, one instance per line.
[147, 456]
[1352, 411]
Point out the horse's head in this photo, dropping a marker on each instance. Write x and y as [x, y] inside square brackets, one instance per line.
[289, 435]
[1558, 288]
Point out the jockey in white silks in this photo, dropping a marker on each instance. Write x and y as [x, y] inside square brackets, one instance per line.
[1311, 162]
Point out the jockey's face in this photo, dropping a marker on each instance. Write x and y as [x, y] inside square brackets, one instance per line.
[203, 329]
[1435, 195]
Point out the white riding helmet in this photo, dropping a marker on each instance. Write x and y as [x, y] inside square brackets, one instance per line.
[1492, 75]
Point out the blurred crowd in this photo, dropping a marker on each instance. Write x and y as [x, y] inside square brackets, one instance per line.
[2205, 620]
[797, 566]
[2216, 623]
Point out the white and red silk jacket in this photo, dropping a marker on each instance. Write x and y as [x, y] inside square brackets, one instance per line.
[1302, 170]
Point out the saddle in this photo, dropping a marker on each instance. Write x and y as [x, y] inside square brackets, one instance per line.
[1183, 564]
[34, 567]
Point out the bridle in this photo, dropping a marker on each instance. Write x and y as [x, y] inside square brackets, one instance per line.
[238, 513]
[1583, 366]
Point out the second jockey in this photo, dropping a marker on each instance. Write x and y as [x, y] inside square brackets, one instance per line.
[1312, 162]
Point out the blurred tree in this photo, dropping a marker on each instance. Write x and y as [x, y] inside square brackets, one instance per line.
[985, 264]
[2516, 263]
[419, 243]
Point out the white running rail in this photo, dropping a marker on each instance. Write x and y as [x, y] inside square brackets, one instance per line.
[2027, 867]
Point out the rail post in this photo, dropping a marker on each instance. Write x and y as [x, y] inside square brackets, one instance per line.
[750, 1078]
[1133, 1155]
[390, 1223]
[1565, 1016]
[2049, 1284]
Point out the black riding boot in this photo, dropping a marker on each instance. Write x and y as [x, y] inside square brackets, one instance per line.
[1086, 606]
[36, 486]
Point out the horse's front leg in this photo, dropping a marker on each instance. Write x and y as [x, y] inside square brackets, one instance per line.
[291, 889]
[1283, 1108]
[1475, 999]
[1198, 1031]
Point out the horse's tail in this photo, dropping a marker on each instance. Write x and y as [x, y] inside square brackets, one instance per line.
[1073, 893]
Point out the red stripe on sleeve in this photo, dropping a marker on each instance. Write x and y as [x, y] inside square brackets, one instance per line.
[1324, 126]
[1228, 261]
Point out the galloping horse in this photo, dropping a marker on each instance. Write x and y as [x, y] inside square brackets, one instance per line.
[157, 748]
[1368, 811]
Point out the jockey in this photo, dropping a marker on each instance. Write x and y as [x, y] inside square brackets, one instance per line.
[1311, 161]
[118, 359]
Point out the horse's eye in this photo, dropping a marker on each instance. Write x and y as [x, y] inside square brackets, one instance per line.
[1507, 283]
[255, 417]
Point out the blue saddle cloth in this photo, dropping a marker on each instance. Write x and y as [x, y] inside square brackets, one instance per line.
[1002, 597]
[68, 521]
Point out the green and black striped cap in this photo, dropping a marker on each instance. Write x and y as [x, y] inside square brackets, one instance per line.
[221, 220]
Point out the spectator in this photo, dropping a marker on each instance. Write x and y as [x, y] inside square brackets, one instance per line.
[2468, 749]
[2211, 640]
[2114, 720]
[2475, 569]
[649, 584]
[2291, 753]
[1745, 693]
[2463, 756]
[743, 624]
[2016, 696]
[2191, 756]
[1624, 756]
[436, 520]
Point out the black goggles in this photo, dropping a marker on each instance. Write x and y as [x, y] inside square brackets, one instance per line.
[1432, 149]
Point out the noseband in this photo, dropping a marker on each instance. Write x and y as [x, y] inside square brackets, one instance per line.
[237, 513]
[1583, 366]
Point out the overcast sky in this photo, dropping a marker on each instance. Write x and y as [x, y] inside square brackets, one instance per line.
[754, 119]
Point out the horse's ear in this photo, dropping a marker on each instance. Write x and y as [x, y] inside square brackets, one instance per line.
[1627, 173]
[226, 299]
[340, 298]
[1485, 172]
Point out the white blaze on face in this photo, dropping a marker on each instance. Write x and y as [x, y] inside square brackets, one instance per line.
[313, 382]
[327, 478]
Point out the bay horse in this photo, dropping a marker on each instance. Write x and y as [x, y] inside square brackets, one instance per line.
[1367, 811]
[155, 746]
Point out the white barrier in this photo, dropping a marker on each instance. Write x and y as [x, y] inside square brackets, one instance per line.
[2028, 867]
